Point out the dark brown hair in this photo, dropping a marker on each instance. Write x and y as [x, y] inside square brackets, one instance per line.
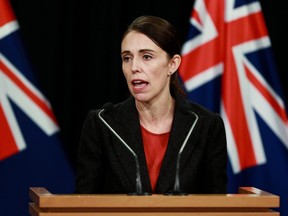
[164, 34]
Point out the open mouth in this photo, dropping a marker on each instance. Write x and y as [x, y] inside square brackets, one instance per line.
[139, 83]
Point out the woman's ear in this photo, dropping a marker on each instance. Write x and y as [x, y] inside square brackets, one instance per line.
[174, 63]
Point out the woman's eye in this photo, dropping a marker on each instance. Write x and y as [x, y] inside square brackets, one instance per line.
[126, 58]
[147, 57]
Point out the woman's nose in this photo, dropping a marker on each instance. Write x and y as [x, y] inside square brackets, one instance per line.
[136, 65]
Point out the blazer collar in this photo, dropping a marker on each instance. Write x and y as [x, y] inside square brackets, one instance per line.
[127, 125]
[181, 125]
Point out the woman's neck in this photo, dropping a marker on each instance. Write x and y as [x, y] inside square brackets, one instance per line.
[156, 117]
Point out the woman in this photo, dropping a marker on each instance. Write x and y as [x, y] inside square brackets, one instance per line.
[155, 127]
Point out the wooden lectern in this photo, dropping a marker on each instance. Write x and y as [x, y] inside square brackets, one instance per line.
[250, 201]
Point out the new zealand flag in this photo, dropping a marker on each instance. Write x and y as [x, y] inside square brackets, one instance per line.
[31, 154]
[228, 67]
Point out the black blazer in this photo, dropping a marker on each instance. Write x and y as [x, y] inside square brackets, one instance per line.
[105, 165]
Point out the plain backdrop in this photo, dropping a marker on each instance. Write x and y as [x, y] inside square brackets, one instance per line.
[74, 48]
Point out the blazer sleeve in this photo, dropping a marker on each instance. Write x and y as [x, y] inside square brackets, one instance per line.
[217, 154]
[90, 156]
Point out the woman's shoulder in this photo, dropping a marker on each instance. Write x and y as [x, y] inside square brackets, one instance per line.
[110, 107]
[203, 113]
[185, 103]
[114, 111]
[201, 109]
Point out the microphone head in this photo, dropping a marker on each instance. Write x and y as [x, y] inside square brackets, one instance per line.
[107, 107]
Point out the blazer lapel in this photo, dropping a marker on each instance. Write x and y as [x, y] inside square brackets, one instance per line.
[126, 123]
[181, 125]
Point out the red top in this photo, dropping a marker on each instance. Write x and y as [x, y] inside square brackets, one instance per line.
[155, 147]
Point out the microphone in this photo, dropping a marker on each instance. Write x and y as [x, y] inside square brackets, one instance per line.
[177, 190]
[108, 108]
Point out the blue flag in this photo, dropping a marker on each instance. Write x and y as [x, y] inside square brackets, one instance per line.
[31, 154]
[228, 67]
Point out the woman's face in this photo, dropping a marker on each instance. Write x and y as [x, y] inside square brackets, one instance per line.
[146, 67]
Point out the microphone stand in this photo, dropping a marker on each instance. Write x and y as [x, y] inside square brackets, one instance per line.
[138, 178]
[177, 190]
